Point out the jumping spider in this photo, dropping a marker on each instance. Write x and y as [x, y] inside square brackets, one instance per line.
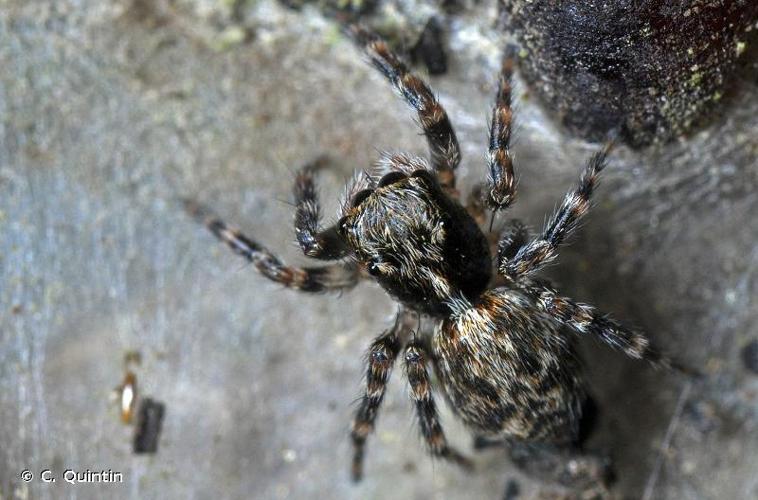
[498, 349]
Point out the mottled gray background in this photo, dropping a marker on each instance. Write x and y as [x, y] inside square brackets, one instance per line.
[111, 110]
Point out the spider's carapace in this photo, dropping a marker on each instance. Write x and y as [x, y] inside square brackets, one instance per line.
[420, 245]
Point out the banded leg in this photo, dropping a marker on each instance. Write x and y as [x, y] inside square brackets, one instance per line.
[443, 145]
[503, 242]
[316, 243]
[476, 208]
[501, 183]
[585, 319]
[305, 279]
[421, 392]
[513, 238]
[545, 248]
[381, 357]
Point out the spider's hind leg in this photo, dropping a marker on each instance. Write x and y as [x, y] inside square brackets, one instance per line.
[305, 279]
[585, 319]
[421, 393]
[381, 358]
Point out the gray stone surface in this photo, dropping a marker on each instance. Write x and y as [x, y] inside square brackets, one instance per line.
[112, 110]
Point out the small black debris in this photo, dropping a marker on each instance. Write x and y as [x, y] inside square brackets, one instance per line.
[512, 490]
[149, 423]
[344, 10]
[430, 48]
[750, 356]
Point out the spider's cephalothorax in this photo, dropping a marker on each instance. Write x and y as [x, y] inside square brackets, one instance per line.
[498, 347]
[419, 244]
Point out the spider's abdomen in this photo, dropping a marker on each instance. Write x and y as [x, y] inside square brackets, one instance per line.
[420, 245]
[508, 371]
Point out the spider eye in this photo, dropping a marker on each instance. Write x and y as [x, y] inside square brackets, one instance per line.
[424, 174]
[342, 225]
[379, 356]
[413, 356]
[373, 268]
[360, 197]
[391, 178]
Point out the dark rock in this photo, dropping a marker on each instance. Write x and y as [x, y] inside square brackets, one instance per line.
[649, 70]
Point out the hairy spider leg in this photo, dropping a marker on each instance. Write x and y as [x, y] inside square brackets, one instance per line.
[443, 145]
[501, 183]
[586, 319]
[317, 243]
[514, 236]
[380, 359]
[305, 279]
[426, 410]
[544, 248]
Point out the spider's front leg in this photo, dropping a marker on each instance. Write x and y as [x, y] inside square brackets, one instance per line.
[421, 393]
[381, 358]
[324, 244]
[443, 144]
[305, 279]
[501, 182]
[499, 192]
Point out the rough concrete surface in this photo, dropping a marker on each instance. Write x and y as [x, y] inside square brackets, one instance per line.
[111, 111]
